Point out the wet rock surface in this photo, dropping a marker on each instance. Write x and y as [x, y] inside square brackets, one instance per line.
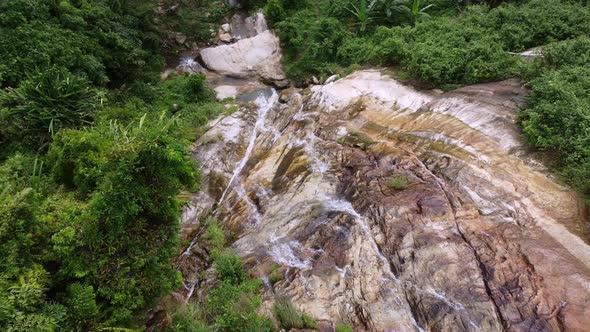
[394, 210]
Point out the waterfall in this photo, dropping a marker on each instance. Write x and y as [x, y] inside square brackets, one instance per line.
[264, 105]
[339, 205]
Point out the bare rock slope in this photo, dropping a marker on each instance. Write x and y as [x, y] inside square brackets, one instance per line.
[395, 210]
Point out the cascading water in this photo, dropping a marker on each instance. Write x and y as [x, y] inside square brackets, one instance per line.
[264, 105]
[188, 64]
[457, 173]
[339, 205]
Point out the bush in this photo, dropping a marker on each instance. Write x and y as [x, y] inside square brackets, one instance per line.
[445, 51]
[310, 46]
[234, 301]
[103, 43]
[274, 12]
[533, 23]
[88, 228]
[46, 102]
[234, 307]
[275, 274]
[557, 119]
[215, 236]
[572, 52]
[123, 241]
[230, 268]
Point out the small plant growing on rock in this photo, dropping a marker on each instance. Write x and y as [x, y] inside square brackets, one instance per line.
[215, 236]
[188, 318]
[308, 322]
[275, 275]
[290, 317]
[398, 182]
[340, 327]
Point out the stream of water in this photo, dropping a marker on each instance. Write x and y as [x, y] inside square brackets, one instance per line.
[264, 105]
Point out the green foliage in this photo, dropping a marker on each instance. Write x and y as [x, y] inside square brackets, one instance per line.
[128, 231]
[88, 226]
[82, 306]
[557, 119]
[197, 20]
[188, 318]
[275, 274]
[89, 38]
[289, 316]
[46, 102]
[274, 12]
[99, 220]
[533, 23]
[234, 307]
[398, 182]
[364, 13]
[340, 327]
[233, 303]
[413, 10]
[215, 236]
[230, 268]
[572, 52]
[310, 46]
[444, 51]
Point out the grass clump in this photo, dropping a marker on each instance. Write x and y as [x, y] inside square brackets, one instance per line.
[188, 318]
[398, 182]
[275, 274]
[340, 327]
[290, 317]
[215, 236]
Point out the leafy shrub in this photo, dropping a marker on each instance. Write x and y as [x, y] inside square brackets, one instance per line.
[557, 119]
[444, 51]
[274, 12]
[310, 46]
[230, 268]
[355, 50]
[197, 20]
[572, 52]
[82, 305]
[215, 236]
[234, 301]
[46, 102]
[234, 307]
[88, 229]
[275, 274]
[95, 40]
[533, 23]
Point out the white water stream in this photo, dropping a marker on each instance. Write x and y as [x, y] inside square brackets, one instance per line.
[264, 105]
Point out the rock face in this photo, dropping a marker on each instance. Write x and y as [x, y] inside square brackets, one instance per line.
[245, 26]
[258, 56]
[393, 210]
